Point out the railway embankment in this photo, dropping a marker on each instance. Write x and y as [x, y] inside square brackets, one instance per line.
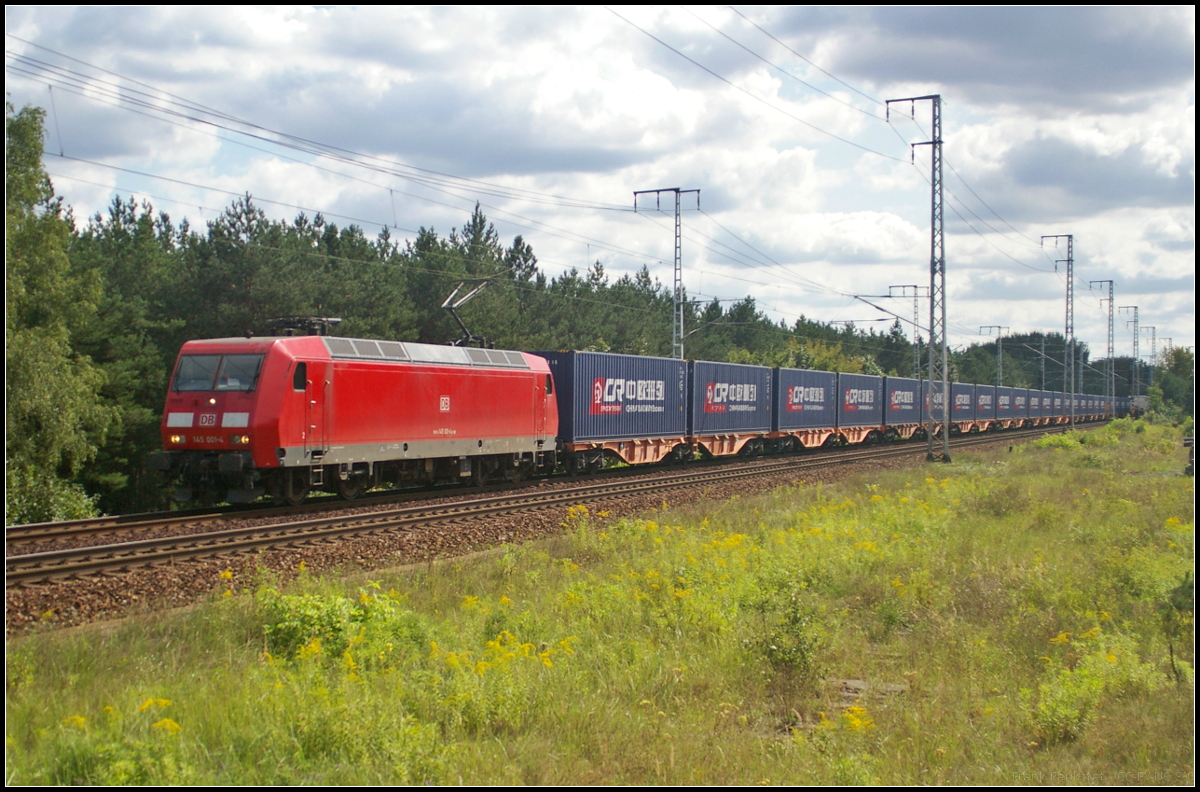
[1021, 616]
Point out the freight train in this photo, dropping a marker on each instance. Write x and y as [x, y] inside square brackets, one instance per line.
[281, 416]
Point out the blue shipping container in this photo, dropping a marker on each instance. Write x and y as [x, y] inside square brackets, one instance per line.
[861, 402]
[962, 408]
[805, 399]
[1020, 403]
[938, 399]
[728, 398]
[1045, 404]
[1004, 403]
[618, 397]
[985, 402]
[904, 402]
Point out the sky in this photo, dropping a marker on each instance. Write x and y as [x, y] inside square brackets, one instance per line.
[1055, 121]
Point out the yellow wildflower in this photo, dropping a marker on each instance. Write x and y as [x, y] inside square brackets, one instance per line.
[157, 703]
[857, 719]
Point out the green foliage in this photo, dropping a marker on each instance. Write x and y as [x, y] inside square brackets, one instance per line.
[1107, 666]
[1175, 383]
[54, 416]
[791, 640]
[378, 628]
[896, 628]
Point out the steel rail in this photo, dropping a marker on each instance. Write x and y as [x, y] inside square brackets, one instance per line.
[48, 532]
[98, 559]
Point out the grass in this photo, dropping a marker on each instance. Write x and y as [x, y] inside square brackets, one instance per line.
[1019, 617]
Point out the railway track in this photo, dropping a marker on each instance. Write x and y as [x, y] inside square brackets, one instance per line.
[37, 567]
[131, 525]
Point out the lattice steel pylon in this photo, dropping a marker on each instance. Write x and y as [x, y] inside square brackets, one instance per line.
[1110, 368]
[1137, 364]
[939, 352]
[1069, 352]
[1153, 352]
[916, 295]
[677, 334]
[999, 351]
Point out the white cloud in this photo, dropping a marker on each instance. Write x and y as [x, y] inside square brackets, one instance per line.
[576, 102]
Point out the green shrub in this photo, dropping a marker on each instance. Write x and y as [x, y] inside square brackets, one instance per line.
[1068, 440]
[1068, 700]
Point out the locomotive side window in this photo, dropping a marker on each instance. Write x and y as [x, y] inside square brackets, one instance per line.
[549, 386]
[239, 372]
[300, 376]
[196, 372]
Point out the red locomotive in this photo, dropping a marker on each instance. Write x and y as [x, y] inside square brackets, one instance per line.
[280, 415]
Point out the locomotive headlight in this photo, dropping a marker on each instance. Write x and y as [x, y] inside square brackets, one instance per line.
[176, 439]
[240, 439]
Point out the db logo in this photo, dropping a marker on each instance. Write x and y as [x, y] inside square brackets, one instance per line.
[208, 419]
[445, 404]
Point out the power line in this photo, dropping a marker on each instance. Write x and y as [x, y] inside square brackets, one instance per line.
[977, 232]
[753, 96]
[801, 57]
[579, 237]
[966, 184]
[781, 69]
[422, 175]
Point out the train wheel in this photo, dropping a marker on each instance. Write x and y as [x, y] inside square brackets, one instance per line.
[516, 473]
[350, 488]
[295, 486]
[478, 473]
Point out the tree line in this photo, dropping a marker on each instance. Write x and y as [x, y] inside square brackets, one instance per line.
[97, 311]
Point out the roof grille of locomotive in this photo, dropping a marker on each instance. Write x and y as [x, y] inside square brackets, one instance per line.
[397, 351]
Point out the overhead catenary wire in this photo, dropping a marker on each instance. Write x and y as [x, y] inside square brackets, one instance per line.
[1032, 242]
[322, 148]
[269, 135]
[150, 110]
[495, 209]
[578, 238]
[878, 102]
[806, 60]
[310, 150]
[872, 115]
[755, 97]
[779, 68]
[835, 136]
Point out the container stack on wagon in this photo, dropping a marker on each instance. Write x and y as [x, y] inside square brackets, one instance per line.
[806, 408]
[905, 411]
[860, 409]
[632, 407]
[731, 407]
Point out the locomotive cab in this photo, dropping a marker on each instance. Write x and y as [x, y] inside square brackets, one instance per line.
[220, 425]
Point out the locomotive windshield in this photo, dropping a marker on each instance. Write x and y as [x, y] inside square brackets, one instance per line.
[217, 372]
